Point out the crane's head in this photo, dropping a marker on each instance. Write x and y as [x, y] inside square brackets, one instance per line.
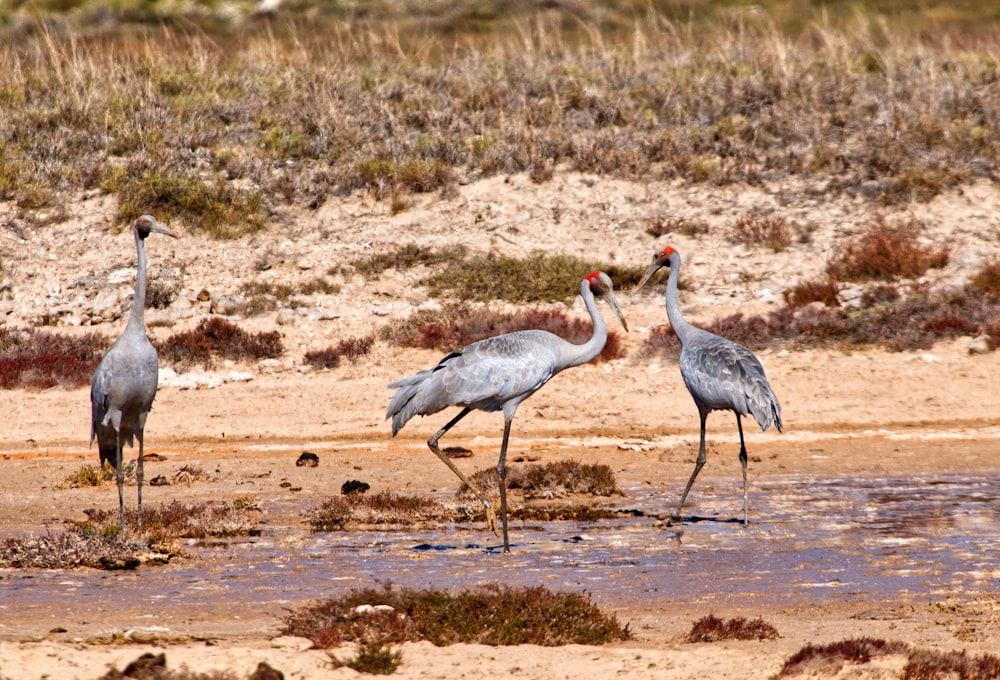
[601, 286]
[661, 258]
[147, 224]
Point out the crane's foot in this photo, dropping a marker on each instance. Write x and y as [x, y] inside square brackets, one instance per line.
[668, 521]
[491, 520]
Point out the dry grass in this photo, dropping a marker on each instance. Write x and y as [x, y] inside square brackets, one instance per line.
[559, 479]
[381, 509]
[79, 548]
[488, 616]
[221, 119]
[179, 520]
[753, 229]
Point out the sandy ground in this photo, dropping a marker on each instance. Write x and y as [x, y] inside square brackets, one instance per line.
[859, 414]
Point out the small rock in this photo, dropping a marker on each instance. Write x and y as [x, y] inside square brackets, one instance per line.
[287, 317]
[981, 345]
[307, 458]
[266, 672]
[354, 486]
[204, 295]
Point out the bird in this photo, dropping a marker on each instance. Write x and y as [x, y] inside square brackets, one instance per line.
[124, 383]
[498, 373]
[720, 374]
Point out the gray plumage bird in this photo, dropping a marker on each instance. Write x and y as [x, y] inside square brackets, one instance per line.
[720, 374]
[124, 384]
[496, 374]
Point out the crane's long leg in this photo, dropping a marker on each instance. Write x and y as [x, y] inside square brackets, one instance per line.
[743, 464]
[502, 474]
[697, 465]
[432, 443]
[138, 478]
[120, 478]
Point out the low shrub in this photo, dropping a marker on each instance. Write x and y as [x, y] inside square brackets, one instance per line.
[217, 337]
[497, 615]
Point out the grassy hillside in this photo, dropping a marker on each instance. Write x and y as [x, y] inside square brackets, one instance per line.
[220, 115]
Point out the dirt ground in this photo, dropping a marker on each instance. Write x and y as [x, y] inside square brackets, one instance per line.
[863, 414]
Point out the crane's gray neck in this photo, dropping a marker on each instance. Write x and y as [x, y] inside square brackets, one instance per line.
[574, 355]
[136, 317]
[682, 328]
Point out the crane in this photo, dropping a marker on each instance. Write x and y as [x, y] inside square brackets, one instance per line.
[498, 373]
[720, 374]
[124, 384]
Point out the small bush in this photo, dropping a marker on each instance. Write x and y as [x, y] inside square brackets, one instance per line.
[352, 348]
[373, 658]
[752, 229]
[79, 547]
[885, 253]
[713, 629]
[987, 280]
[489, 616]
[832, 656]
[924, 664]
[179, 520]
[35, 359]
[216, 337]
[86, 476]
[820, 290]
[552, 480]
[380, 508]
[458, 325]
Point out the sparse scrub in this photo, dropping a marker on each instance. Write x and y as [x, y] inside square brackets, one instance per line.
[713, 629]
[824, 291]
[86, 476]
[987, 280]
[666, 226]
[180, 520]
[537, 278]
[235, 115]
[886, 253]
[831, 657]
[351, 348]
[36, 359]
[216, 337]
[74, 548]
[925, 664]
[407, 257]
[752, 229]
[458, 324]
[373, 658]
[382, 508]
[916, 322]
[488, 616]
[552, 480]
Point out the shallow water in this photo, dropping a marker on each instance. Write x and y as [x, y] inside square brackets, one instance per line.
[847, 539]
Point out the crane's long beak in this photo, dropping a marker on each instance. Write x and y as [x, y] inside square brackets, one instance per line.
[160, 229]
[612, 301]
[653, 268]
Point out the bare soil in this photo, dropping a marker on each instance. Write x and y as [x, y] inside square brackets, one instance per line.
[857, 414]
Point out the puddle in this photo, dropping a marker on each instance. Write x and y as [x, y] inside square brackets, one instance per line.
[846, 539]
